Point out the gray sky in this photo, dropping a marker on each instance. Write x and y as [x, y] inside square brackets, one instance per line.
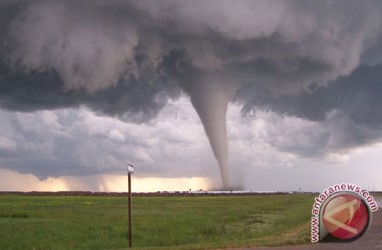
[87, 86]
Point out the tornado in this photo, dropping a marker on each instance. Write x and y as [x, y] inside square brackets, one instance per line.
[210, 98]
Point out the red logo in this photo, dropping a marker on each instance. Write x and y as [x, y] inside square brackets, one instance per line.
[346, 217]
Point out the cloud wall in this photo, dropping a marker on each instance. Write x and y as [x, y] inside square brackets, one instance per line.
[317, 61]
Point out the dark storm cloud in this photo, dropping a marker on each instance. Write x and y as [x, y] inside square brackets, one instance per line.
[136, 101]
[348, 111]
[92, 46]
[318, 61]
[359, 96]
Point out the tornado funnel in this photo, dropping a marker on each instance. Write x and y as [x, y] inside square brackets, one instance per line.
[210, 100]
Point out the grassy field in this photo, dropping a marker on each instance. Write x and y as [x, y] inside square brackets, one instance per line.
[197, 222]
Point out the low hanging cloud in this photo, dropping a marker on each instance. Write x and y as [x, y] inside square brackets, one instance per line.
[78, 142]
[318, 62]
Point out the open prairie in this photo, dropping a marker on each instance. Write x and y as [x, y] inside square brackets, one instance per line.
[167, 222]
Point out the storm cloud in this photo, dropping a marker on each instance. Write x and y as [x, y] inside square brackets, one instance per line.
[314, 62]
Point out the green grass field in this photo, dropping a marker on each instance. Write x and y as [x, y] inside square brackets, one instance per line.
[190, 222]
